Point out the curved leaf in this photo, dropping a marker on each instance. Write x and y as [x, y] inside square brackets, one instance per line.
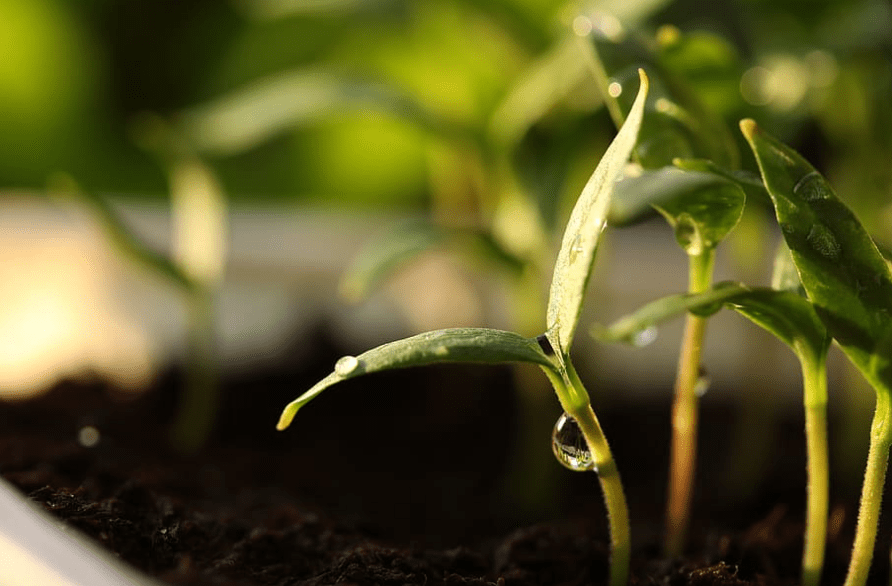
[787, 315]
[248, 116]
[840, 267]
[478, 345]
[402, 244]
[588, 219]
[640, 189]
[627, 328]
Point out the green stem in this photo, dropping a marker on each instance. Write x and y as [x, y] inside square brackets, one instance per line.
[814, 377]
[685, 413]
[197, 411]
[574, 400]
[871, 492]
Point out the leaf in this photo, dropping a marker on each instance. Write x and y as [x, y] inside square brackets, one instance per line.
[840, 267]
[123, 238]
[404, 243]
[786, 314]
[703, 217]
[677, 124]
[549, 79]
[627, 328]
[587, 220]
[251, 115]
[643, 190]
[477, 345]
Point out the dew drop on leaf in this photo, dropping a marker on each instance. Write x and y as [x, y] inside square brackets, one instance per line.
[812, 187]
[345, 365]
[645, 337]
[822, 240]
[569, 447]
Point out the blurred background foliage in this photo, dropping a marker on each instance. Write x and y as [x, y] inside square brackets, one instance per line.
[410, 104]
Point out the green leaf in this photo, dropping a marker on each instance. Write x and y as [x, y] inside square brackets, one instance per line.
[677, 124]
[642, 190]
[402, 244]
[840, 267]
[588, 219]
[125, 241]
[549, 79]
[703, 217]
[251, 115]
[785, 314]
[627, 329]
[477, 345]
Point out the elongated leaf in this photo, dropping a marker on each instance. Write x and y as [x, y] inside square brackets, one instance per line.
[627, 328]
[588, 219]
[478, 345]
[404, 243]
[125, 241]
[786, 314]
[840, 267]
[248, 116]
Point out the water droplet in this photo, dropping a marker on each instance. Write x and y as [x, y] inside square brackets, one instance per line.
[346, 365]
[441, 351]
[615, 89]
[645, 337]
[576, 247]
[88, 436]
[703, 382]
[823, 240]
[812, 187]
[582, 25]
[569, 447]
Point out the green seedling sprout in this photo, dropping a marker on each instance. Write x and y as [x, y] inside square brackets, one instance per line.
[850, 284]
[550, 351]
[195, 269]
[794, 321]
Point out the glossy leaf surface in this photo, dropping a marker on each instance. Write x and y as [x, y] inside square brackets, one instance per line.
[477, 345]
[583, 232]
[840, 267]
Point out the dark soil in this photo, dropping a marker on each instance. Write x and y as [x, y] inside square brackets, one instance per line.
[396, 479]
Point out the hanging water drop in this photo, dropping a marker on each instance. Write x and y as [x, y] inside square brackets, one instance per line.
[645, 337]
[812, 187]
[569, 446]
[703, 382]
[345, 365]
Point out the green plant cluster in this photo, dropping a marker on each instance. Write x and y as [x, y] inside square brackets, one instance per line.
[831, 284]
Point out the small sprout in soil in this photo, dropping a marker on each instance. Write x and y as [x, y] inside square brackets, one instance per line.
[580, 438]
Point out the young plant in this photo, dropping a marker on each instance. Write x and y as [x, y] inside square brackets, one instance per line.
[782, 311]
[850, 284]
[550, 351]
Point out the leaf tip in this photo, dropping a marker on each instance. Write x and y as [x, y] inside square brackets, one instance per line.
[286, 418]
[645, 82]
[749, 128]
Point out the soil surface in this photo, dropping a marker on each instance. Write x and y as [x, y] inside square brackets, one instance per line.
[402, 478]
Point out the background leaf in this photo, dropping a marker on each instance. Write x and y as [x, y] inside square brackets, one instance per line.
[478, 345]
[839, 265]
[589, 217]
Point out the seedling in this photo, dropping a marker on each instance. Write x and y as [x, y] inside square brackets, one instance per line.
[550, 351]
[850, 284]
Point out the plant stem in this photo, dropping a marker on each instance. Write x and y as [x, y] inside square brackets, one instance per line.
[685, 413]
[608, 476]
[814, 377]
[198, 406]
[871, 492]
